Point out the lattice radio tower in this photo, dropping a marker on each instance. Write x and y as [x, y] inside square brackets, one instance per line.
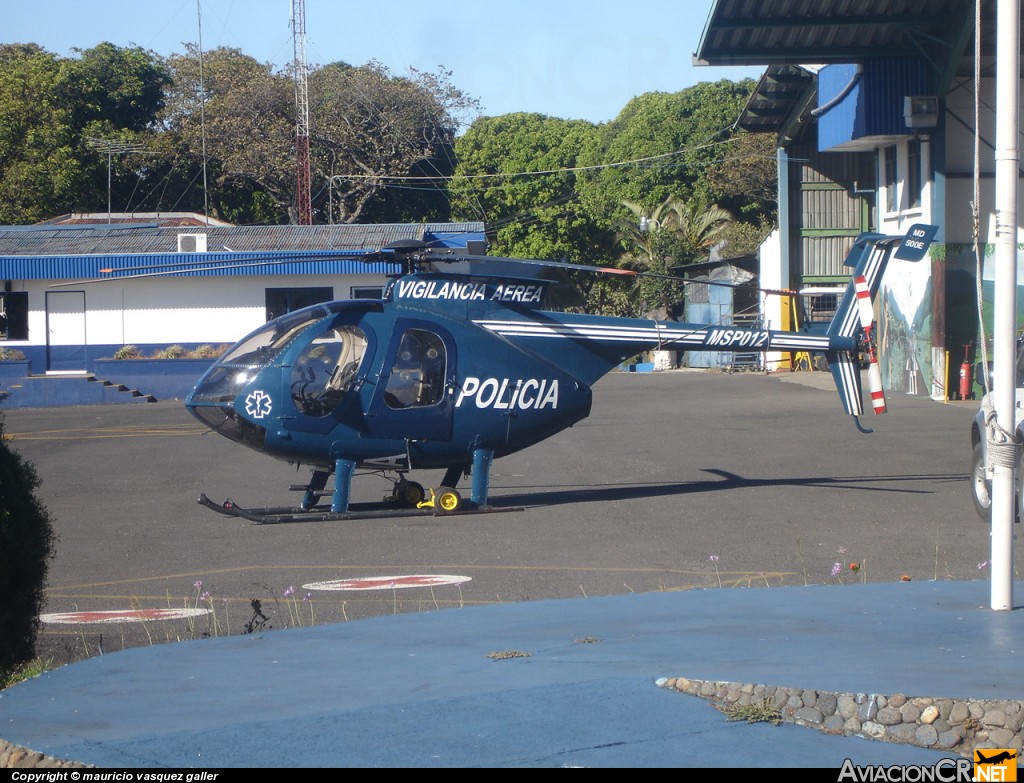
[303, 205]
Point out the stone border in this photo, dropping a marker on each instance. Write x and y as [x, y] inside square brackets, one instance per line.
[17, 757]
[957, 725]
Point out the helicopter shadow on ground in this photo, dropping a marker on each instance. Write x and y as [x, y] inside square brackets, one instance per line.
[555, 495]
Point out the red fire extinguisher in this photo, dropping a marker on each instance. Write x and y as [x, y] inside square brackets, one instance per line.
[966, 381]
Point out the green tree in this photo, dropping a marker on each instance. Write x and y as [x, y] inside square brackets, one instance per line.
[50, 107]
[745, 178]
[26, 548]
[661, 145]
[117, 95]
[241, 113]
[371, 129]
[517, 173]
[114, 88]
[41, 173]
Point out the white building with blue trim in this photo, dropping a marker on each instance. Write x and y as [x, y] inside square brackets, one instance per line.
[73, 295]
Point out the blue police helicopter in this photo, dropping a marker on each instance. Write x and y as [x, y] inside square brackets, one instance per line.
[451, 370]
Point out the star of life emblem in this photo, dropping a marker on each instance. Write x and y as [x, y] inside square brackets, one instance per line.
[258, 404]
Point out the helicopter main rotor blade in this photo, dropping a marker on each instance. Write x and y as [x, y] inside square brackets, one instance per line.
[608, 270]
[362, 255]
[215, 265]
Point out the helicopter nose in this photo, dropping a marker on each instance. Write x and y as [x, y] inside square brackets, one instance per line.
[220, 385]
[213, 400]
[225, 420]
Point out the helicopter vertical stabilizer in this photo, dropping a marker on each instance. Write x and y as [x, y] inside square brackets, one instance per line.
[869, 257]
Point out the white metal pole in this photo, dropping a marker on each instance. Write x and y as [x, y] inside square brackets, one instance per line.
[1005, 314]
[110, 157]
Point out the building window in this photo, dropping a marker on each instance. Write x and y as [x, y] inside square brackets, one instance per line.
[286, 300]
[892, 198]
[366, 292]
[14, 315]
[914, 177]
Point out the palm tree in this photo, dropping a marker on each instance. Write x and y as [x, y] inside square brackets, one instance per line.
[638, 235]
[697, 222]
[695, 225]
[675, 232]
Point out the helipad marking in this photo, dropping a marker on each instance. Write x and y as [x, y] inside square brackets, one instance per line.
[122, 615]
[389, 582]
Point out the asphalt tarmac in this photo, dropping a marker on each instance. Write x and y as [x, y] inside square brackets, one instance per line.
[691, 527]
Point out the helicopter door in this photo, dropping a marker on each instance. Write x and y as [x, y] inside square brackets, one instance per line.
[412, 400]
[325, 373]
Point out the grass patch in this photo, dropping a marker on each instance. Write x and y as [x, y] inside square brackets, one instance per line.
[504, 655]
[25, 671]
[762, 711]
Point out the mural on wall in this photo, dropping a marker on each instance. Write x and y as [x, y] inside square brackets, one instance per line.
[905, 327]
[966, 261]
[988, 285]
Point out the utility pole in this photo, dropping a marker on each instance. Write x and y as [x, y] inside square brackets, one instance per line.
[303, 205]
[1007, 159]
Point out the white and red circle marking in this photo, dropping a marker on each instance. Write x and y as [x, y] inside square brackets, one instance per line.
[122, 616]
[389, 582]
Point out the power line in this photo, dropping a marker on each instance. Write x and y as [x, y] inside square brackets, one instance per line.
[568, 170]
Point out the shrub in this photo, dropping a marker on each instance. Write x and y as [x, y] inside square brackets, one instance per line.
[27, 545]
[128, 352]
[11, 355]
[209, 351]
[170, 352]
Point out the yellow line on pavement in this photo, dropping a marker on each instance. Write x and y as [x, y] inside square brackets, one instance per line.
[99, 433]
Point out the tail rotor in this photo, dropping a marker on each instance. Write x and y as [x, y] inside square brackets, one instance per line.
[867, 316]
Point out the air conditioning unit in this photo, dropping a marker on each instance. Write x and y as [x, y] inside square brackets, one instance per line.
[921, 111]
[191, 243]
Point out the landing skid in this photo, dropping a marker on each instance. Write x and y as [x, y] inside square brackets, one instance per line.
[277, 515]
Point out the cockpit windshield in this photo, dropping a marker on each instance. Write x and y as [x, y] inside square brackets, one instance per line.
[243, 362]
[261, 347]
[320, 375]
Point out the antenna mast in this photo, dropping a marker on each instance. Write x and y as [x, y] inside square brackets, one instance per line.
[303, 205]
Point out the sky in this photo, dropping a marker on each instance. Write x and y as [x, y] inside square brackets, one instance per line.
[573, 59]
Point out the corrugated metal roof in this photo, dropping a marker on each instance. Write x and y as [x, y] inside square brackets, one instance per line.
[80, 252]
[71, 240]
[783, 97]
[766, 32]
[91, 268]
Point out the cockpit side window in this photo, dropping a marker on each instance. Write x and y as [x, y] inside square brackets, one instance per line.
[326, 370]
[417, 376]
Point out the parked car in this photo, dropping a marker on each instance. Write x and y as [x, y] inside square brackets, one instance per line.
[981, 474]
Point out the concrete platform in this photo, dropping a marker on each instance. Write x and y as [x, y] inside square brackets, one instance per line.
[550, 683]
